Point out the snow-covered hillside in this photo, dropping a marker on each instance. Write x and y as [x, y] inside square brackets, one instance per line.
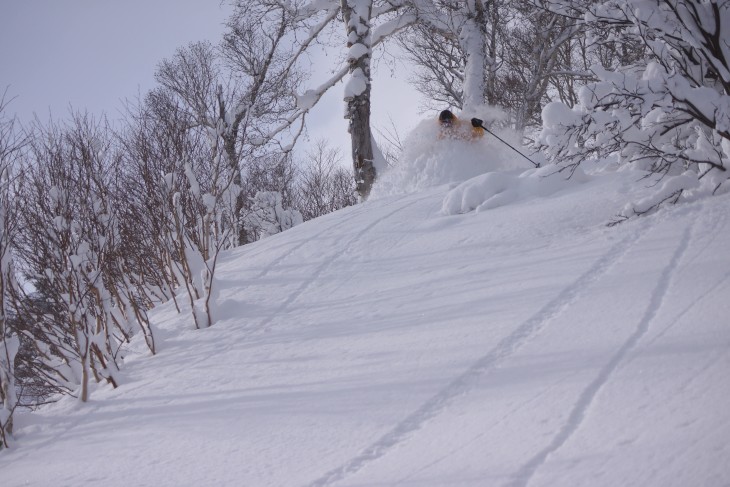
[415, 341]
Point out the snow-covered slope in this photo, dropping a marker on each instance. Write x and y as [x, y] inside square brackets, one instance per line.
[411, 341]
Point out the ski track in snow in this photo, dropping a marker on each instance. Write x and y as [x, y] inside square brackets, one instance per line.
[231, 344]
[263, 326]
[506, 347]
[718, 223]
[356, 212]
[580, 409]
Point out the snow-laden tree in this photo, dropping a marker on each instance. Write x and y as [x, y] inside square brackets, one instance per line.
[178, 193]
[86, 302]
[9, 339]
[668, 112]
[272, 172]
[192, 87]
[239, 96]
[268, 216]
[183, 197]
[11, 142]
[357, 15]
[153, 144]
[357, 27]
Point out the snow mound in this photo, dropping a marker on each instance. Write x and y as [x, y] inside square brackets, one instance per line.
[495, 189]
[429, 161]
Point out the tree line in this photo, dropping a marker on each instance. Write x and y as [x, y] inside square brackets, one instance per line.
[98, 224]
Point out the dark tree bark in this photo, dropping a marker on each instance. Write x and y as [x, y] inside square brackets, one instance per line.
[357, 20]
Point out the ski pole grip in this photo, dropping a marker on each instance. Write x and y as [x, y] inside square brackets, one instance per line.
[476, 123]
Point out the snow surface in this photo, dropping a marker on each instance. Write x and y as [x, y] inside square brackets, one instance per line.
[411, 341]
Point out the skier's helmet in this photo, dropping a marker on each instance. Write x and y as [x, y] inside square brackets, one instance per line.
[446, 117]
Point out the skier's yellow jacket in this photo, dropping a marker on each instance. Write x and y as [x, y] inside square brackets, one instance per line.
[453, 128]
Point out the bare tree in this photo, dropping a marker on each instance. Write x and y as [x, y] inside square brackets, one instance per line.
[455, 46]
[237, 95]
[508, 54]
[366, 25]
[324, 185]
[11, 142]
[532, 59]
[439, 65]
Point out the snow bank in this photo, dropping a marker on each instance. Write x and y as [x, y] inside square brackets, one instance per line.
[498, 189]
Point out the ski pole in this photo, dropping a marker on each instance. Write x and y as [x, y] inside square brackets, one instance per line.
[477, 123]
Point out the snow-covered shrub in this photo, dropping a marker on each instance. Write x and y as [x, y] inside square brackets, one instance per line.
[9, 345]
[85, 304]
[9, 341]
[668, 114]
[268, 217]
[10, 145]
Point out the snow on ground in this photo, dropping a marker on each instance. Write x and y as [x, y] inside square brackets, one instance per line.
[414, 341]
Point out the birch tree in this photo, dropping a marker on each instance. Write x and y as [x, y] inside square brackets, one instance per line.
[357, 15]
[179, 194]
[229, 98]
[507, 54]
[365, 24]
[455, 48]
[234, 95]
[323, 185]
[533, 63]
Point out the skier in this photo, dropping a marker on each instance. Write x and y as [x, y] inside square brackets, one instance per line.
[453, 128]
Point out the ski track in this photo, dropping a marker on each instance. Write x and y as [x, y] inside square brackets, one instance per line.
[718, 223]
[578, 413]
[482, 434]
[506, 347]
[263, 325]
[357, 211]
[231, 344]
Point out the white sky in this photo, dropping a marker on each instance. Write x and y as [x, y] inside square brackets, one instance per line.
[95, 53]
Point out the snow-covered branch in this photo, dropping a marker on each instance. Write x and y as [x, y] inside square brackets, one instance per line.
[668, 113]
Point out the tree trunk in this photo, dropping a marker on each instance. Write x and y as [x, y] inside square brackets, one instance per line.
[491, 83]
[229, 136]
[473, 41]
[357, 93]
[362, 144]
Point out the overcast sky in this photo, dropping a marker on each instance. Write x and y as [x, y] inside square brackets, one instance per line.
[93, 54]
